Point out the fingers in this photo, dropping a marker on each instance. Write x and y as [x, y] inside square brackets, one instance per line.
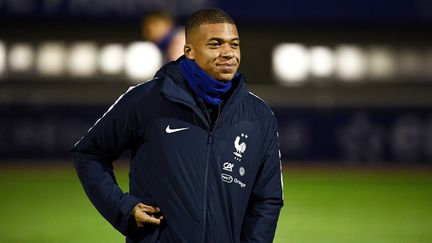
[148, 209]
[142, 217]
[146, 214]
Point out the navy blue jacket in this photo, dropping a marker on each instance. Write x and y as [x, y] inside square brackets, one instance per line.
[214, 182]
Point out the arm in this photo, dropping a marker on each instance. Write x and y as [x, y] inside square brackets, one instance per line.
[93, 156]
[99, 183]
[266, 199]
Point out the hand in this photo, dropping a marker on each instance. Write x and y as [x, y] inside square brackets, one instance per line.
[146, 214]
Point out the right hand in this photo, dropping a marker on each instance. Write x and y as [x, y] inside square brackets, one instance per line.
[146, 214]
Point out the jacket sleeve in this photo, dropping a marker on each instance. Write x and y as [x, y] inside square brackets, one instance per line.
[266, 198]
[93, 157]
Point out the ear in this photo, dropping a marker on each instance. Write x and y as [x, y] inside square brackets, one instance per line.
[188, 51]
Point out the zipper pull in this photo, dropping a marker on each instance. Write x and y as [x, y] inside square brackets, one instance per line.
[210, 139]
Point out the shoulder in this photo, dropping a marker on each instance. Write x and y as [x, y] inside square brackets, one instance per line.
[261, 112]
[134, 97]
[141, 91]
[260, 107]
[143, 87]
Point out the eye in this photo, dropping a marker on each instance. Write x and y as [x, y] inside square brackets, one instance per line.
[235, 45]
[214, 44]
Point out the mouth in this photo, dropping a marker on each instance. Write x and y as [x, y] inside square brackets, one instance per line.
[227, 66]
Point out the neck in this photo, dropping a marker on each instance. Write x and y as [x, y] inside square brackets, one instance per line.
[202, 84]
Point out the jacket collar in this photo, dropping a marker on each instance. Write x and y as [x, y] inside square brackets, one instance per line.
[174, 86]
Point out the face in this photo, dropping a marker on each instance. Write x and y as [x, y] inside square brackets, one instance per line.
[216, 49]
[155, 29]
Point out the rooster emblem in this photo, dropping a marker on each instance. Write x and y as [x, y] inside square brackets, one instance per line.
[240, 147]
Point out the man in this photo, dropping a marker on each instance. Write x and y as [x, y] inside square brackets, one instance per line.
[158, 26]
[205, 160]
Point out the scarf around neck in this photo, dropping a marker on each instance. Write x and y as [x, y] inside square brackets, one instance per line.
[206, 87]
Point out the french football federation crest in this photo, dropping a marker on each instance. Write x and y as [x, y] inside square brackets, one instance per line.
[239, 147]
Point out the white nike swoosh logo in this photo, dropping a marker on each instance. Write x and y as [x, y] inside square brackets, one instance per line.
[170, 130]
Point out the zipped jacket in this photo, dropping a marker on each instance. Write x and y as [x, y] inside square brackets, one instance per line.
[213, 181]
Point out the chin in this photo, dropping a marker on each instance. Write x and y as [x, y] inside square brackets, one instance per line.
[225, 77]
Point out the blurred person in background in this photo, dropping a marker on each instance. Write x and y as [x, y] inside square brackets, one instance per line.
[159, 27]
[205, 163]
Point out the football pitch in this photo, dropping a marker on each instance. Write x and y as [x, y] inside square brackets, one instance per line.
[321, 205]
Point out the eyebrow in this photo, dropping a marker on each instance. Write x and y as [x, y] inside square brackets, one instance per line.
[224, 40]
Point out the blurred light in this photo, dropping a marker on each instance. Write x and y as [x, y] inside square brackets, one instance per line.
[142, 60]
[111, 59]
[409, 63]
[322, 61]
[51, 58]
[381, 62]
[351, 63]
[82, 59]
[290, 63]
[21, 57]
[2, 57]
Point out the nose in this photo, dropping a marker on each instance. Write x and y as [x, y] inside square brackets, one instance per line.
[227, 51]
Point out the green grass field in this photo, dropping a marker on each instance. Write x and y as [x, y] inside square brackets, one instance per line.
[321, 205]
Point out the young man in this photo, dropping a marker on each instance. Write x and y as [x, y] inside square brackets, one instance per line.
[159, 27]
[205, 165]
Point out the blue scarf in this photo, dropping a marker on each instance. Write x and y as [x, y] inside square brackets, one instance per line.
[206, 87]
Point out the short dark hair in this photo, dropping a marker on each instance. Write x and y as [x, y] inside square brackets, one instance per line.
[207, 16]
[162, 14]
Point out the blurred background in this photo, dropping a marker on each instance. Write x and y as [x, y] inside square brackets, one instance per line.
[349, 81]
